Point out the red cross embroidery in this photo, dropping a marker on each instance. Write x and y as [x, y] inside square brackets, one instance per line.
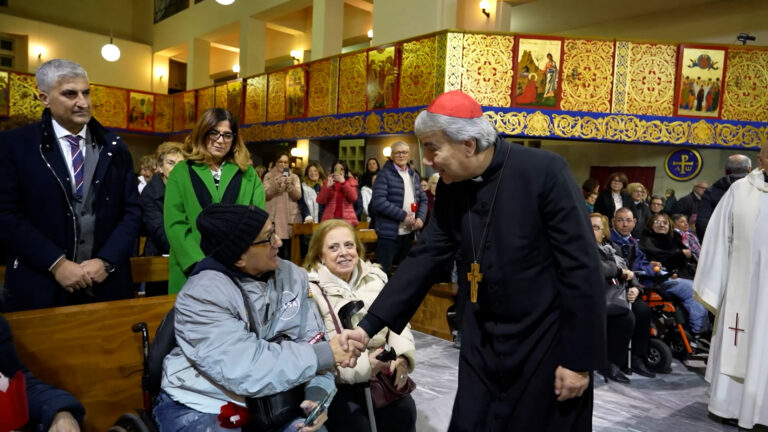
[736, 331]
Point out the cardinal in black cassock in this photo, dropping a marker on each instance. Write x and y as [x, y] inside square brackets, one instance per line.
[530, 289]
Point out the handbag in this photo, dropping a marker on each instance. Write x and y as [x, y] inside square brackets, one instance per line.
[616, 295]
[383, 389]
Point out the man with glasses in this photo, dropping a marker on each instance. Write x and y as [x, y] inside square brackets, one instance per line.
[657, 204]
[69, 206]
[400, 206]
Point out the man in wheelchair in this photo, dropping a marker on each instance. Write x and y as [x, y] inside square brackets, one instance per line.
[247, 335]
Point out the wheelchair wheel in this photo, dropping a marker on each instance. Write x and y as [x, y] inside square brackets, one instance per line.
[677, 345]
[659, 356]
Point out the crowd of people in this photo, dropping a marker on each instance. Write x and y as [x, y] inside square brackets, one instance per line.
[256, 333]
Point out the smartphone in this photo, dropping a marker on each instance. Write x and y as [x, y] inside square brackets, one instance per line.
[321, 406]
[339, 171]
[286, 172]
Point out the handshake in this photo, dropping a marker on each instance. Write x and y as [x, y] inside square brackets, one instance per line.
[348, 345]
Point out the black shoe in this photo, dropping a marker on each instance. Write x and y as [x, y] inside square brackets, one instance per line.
[639, 367]
[613, 373]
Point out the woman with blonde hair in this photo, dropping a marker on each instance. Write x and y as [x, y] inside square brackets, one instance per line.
[218, 170]
[639, 207]
[337, 277]
[282, 189]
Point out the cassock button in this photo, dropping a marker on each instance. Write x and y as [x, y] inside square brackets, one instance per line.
[109, 153]
[97, 182]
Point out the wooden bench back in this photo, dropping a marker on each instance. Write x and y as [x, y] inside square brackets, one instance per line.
[90, 351]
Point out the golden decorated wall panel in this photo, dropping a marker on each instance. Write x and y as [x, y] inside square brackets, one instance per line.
[746, 86]
[417, 77]
[276, 97]
[163, 113]
[644, 78]
[321, 100]
[352, 83]
[487, 68]
[454, 48]
[587, 79]
[184, 110]
[24, 99]
[204, 100]
[256, 100]
[5, 98]
[110, 106]
[235, 98]
[220, 96]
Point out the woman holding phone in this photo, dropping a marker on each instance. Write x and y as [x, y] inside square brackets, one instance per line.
[338, 195]
[282, 189]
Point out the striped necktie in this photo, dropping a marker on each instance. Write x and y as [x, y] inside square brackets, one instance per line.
[77, 161]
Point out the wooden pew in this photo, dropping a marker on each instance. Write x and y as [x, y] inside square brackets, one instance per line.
[90, 351]
[430, 317]
[363, 233]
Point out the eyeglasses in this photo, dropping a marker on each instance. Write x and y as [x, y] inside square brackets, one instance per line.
[656, 203]
[215, 135]
[597, 228]
[271, 240]
[400, 153]
[628, 221]
[660, 222]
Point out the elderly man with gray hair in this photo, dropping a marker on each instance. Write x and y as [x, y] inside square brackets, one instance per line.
[532, 318]
[69, 206]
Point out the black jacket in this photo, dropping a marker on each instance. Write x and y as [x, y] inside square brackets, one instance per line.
[604, 203]
[152, 199]
[668, 251]
[709, 201]
[687, 205]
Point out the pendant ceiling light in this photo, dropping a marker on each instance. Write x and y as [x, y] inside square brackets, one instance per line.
[110, 51]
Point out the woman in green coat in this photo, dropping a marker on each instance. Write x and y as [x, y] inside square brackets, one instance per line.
[217, 170]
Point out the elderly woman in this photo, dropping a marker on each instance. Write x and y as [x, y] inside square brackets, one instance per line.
[218, 170]
[661, 243]
[339, 194]
[621, 291]
[282, 189]
[337, 276]
[657, 204]
[639, 207]
[613, 197]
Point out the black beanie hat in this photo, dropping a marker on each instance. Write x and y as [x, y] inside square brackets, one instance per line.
[227, 230]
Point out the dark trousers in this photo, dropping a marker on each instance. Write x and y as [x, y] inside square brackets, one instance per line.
[348, 412]
[641, 336]
[390, 252]
[620, 326]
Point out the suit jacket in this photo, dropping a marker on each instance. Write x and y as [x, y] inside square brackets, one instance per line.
[604, 203]
[37, 213]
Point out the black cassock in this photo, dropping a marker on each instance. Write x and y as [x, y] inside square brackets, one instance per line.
[541, 300]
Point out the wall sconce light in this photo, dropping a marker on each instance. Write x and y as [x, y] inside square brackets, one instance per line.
[236, 68]
[296, 55]
[370, 34]
[387, 151]
[39, 52]
[160, 73]
[484, 6]
[110, 51]
[225, 2]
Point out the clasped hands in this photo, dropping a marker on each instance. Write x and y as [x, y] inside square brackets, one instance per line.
[348, 345]
[73, 276]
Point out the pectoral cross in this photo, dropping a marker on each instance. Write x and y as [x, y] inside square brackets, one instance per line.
[474, 277]
[736, 331]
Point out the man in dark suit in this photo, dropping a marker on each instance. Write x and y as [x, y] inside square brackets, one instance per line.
[532, 309]
[69, 206]
[689, 204]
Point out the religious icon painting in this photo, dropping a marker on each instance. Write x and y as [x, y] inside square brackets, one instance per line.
[141, 111]
[381, 81]
[235, 98]
[296, 92]
[537, 72]
[700, 72]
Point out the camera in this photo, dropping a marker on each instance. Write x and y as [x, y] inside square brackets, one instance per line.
[744, 37]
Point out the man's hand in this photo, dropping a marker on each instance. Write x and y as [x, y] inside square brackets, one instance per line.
[409, 219]
[346, 357]
[307, 406]
[64, 422]
[655, 264]
[70, 275]
[358, 334]
[632, 294]
[627, 274]
[570, 384]
[418, 223]
[687, 253]
[94, 267]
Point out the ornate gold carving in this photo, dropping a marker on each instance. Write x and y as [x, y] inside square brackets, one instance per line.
[620, 70]
[276, 98]
[4, 93]
[399, 122]
[256, 99]
[352, 80]
[651, 79]
[204, 100]
[587, 75]
[372, 124]
[235, 98]
[440, 63]
[487, 68]
[163, 113]
[333, 101]
[320, 89]
[110, 106]
[746, 86]
[702, 133]
[509, 123]
[538, 124]
[453, 62]
[24, 99]
[417, 80]
[743, 136]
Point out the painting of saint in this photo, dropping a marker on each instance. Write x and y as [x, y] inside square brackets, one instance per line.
[382, 78]
[700, 81]
[295, 92]
[141, 111]
[537, 74]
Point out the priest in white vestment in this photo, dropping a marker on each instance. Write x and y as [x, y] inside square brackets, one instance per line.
[732, 282]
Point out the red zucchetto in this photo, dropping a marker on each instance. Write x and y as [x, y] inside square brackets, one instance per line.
[456, 103]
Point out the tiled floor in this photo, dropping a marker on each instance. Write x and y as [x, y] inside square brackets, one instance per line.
[676, 401]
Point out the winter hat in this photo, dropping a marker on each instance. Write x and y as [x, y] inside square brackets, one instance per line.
[456, 103]
[227, 230]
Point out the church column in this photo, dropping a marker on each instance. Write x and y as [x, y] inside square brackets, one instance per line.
[503, 18]
[253, 46]
[199, 64]
[327, 16]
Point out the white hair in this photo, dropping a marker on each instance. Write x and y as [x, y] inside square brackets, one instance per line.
[50, 72]
[457, 129]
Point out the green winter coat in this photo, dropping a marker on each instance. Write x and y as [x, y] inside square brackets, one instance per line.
[182, 207]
